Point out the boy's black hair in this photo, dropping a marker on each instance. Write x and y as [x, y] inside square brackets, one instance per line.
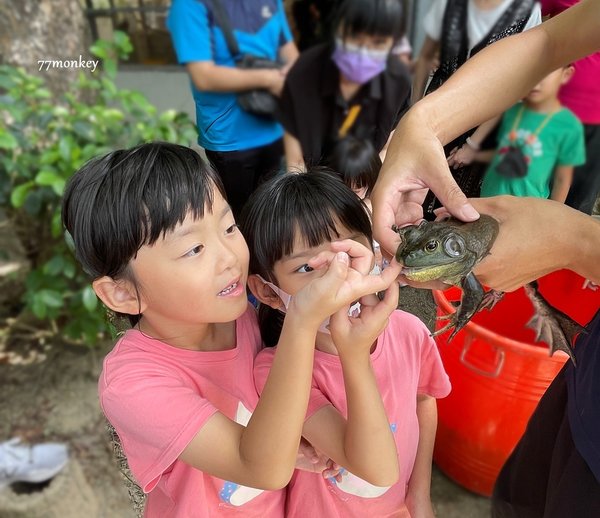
[356, 161]
[312, 203]
[119, 202]
[372, 17]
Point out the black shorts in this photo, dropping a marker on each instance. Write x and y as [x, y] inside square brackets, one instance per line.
[545, 476]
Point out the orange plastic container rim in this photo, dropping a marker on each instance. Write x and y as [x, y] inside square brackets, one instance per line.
[491, 336]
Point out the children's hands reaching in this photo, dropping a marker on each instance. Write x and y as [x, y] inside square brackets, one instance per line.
[346, 280]
[355, 335]
[309, 459]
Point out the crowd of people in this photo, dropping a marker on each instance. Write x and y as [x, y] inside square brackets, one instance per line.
[323, 401]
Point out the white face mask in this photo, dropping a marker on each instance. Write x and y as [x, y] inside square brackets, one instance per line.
[353, 311]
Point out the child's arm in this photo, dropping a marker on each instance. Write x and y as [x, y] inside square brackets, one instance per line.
[470, 151]
[418, 499]
[263, 453]
[561, 182]
[363, 443]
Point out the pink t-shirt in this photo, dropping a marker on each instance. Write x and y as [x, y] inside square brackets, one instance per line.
[406, 362]
[582, 93]
[158, 397]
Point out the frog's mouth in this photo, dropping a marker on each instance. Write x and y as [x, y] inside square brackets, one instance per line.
[424, 273]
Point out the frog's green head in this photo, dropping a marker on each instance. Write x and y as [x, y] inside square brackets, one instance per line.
[434, 251]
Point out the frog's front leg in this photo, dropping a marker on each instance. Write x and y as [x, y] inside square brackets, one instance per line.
[472, 297]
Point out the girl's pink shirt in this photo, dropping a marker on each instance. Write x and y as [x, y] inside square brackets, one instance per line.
[406, 363]
[582, 93]
[158, 397]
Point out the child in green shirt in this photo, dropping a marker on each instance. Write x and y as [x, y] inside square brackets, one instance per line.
[539, 143]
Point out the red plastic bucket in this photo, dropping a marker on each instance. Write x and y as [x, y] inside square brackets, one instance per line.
[498, 374]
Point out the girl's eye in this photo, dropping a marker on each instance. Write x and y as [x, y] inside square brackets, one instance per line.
[194, 251]
[232, 228]
[305, 269]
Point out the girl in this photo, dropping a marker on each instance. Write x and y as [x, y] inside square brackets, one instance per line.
[349, 86]
[357, 163]
[288, 220]
[153, 229]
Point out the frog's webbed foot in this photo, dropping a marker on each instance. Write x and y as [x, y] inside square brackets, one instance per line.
[490, 299]
[471, 301]
[551, 325]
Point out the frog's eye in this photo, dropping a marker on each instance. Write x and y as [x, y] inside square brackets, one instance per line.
[454, 246]
[431, 246]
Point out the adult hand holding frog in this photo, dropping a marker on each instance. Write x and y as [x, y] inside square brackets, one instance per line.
[485, 86]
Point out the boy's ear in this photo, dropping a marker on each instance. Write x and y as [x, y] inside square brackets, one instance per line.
[263, 293]
[119, 295]
[567, 74]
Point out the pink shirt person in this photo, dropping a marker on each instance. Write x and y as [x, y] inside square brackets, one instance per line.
[406, 363]
[582, 93]
[158, 397]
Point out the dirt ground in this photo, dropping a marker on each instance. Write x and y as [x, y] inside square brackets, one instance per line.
[56, 400]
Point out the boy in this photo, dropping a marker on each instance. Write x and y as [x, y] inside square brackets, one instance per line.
[539, 143]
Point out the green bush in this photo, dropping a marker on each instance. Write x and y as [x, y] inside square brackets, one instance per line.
[43, 141]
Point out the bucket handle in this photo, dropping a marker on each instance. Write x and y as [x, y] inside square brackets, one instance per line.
[490, 374]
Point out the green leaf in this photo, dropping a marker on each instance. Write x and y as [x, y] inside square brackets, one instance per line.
[90, 301]
[100, 49]
[69, 270]
[64, 148]
[19, 194]
[54, 266]
[7, 140]
[46, 177]
[38, 307]
[59, 186]
[50, 298]
[110, 67]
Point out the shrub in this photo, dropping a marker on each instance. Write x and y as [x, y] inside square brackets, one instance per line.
[43, 141]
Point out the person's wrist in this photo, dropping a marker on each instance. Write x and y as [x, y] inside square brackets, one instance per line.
[474, 146]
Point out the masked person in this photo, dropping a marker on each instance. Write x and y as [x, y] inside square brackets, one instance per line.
[348, 86]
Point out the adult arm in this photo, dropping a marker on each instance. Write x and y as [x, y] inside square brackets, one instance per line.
[423, 67]
[288, 53]
[209, 77]
[536, 237]
[293, 153]
[484, 87]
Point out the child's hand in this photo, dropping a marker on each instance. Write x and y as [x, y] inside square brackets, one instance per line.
[460, 157]
[361, 258]
[309, 459]
[341, 285]
[355, 335]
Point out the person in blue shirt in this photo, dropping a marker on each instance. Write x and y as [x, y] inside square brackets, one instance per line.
[242, 147]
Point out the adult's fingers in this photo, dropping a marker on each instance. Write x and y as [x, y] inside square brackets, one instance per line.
[453, 199]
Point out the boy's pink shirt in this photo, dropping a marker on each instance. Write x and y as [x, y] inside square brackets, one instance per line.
[582, 93]
[406, 362]
[158, 397]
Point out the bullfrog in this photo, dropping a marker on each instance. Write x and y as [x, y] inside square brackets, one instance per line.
[448, 250]
[550, 324]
